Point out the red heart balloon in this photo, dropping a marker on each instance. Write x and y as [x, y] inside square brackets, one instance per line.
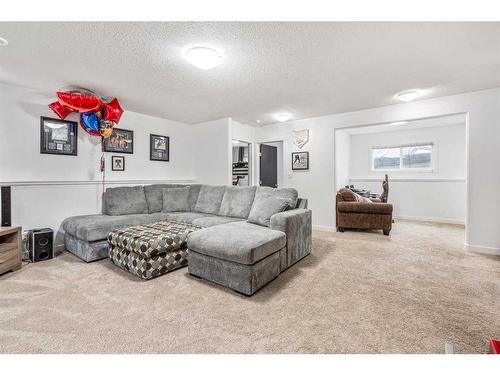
[112, 111]
[79, 102]
[60, 110]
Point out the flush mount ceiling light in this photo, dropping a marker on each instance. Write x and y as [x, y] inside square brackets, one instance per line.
[3, 42]
[408, 95]
[203, 58]
[282, 117]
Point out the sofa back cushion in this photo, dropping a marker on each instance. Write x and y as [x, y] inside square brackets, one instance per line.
[154, 195]
[286, 193]
[176, 199]
[237, 201]
[125, 200]
[209, 199]
[266, 205]
[194, 192]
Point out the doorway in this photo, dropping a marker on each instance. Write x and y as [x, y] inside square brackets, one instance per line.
[271, 164]
[425, 160]
[241, 163]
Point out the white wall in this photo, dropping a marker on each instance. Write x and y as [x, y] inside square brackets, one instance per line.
[342, 158]
[483, 143]
[213, 152]
[48, 188]
[437, 195]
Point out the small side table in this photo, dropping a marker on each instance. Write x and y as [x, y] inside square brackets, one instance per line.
[10, 249]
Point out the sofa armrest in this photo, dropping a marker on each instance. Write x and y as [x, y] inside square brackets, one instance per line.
[297, 225]
[365, 208]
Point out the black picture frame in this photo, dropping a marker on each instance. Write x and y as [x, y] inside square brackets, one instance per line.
[114, 143]
[303, 161]
[113, 168]
[156, 153]
[58, 137]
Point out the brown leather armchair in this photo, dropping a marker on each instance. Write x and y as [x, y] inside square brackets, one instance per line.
[356, 212]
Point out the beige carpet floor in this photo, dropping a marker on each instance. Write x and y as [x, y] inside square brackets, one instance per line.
[358, 292]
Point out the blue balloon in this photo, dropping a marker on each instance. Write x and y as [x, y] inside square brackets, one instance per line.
[90, 123]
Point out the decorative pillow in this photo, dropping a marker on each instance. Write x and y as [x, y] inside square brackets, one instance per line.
[264, 206]
[176, 199]
[154, 195]
[363, 199]
[125, 200]
[237, 201]
[285, 193]
[348, 195]
[209, 199]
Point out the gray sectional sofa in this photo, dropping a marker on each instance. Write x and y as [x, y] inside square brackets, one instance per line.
[241, 245]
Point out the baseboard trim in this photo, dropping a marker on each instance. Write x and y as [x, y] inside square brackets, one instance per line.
[95, 182]
[455, 180]
[482, 249]
[324, 228]
[430, 219]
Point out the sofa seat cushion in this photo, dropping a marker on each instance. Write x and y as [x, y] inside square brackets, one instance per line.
[238, 242]
[210, 221]
[125, 200]
[185, 217]
[237, 201]
[97, 227]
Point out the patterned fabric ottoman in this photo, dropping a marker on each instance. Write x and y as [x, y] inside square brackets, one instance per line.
[150, 250]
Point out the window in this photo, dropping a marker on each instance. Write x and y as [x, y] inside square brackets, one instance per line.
[403, 157]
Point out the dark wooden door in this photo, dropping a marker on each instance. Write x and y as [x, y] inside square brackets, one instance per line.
[268, 166]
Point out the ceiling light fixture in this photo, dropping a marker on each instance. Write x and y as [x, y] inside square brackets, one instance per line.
[203, 58]
[257, 121]
[399, 123]
[408, 95]
[3, 42]
[282, 117]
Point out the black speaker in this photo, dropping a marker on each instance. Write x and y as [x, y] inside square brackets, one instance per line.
[6, 215]
[41, 244]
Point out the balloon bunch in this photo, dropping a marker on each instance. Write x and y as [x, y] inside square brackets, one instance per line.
[98, 115]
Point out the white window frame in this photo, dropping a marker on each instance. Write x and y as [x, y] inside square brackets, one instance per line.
[401, 168]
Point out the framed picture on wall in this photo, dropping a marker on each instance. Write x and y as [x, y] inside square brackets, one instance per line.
[118, 163]
[121, 141]
[159, 147]
[58, 137]
[300, 161]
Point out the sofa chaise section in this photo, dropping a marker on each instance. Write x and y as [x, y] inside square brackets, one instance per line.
[245, 256]
[86, 236]
[241, 255]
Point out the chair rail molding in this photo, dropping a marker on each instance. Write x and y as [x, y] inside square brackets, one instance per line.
[94, 182]
[461, 180]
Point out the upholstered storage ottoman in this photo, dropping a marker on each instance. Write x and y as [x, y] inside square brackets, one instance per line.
[150, 250]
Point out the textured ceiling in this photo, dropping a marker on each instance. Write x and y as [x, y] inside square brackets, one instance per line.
[307, 69]
[432, 122]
